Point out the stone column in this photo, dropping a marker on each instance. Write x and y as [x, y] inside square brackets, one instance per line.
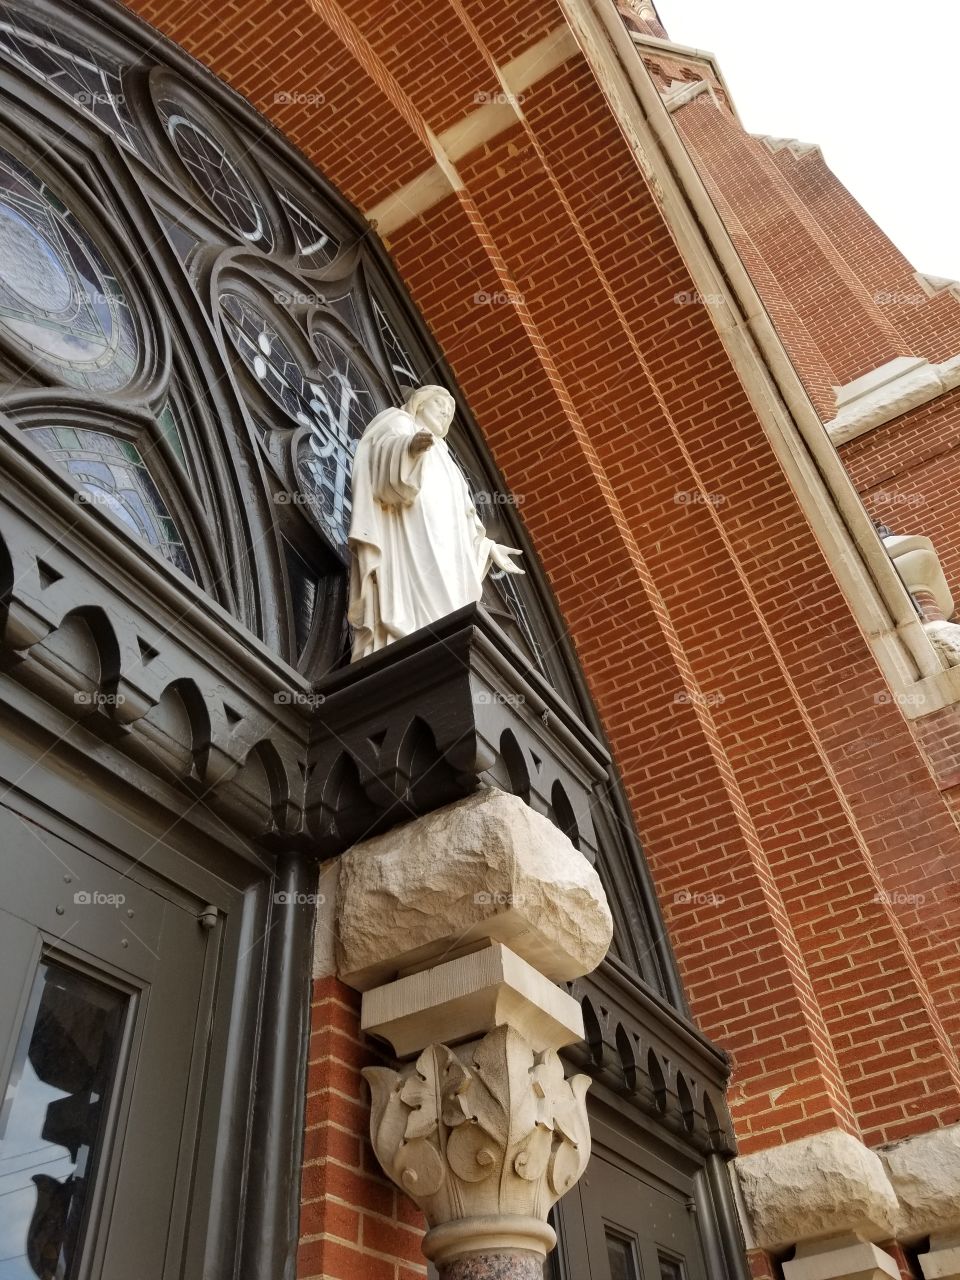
[457, 928]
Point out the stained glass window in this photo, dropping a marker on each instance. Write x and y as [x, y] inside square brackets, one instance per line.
[89, 77]
[168, 420]
[331, 399]
[400, 360]
[57, 294]
[207, 162]
[316, 246]
[110, 473]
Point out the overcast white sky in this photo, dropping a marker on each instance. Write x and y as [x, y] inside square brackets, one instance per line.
[875, 82]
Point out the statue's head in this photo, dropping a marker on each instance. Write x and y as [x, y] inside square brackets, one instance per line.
[432, 408]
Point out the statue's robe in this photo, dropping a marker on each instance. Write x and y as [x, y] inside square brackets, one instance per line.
[418, 548]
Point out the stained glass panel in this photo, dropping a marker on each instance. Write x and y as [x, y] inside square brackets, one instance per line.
[216, 175]
[57, 294]
[316, 246]
[331, 400]
[89, 77]
[400, 359]
[111, 474]
[168, 419]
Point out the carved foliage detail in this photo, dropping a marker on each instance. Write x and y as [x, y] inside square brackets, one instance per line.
[492, 1129]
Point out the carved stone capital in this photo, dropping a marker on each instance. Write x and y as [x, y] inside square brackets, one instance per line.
[485, 1139]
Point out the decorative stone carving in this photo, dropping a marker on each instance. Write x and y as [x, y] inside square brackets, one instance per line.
[485, 868]
[640, 1049]
[827, 1185]
[430, 717]
[418, 549]
[925, 1173]
[485, 1139]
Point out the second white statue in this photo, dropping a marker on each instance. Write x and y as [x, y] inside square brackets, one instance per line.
[418, 548]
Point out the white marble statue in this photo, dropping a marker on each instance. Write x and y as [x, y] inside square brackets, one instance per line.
[418, 549]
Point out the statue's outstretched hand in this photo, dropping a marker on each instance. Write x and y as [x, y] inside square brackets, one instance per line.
[501, 558]
[421, 442]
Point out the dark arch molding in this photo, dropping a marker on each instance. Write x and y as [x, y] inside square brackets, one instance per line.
[641, 944]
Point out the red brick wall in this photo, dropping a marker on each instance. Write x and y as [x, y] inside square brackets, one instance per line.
[778, 791]
[355, 1224]
[908, 473]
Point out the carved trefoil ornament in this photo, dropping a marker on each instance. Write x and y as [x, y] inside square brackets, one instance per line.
[485, 1138]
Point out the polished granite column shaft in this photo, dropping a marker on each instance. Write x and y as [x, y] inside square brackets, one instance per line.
[494, 1266]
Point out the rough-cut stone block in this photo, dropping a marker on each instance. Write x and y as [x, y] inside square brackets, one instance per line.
[467, 997]
[486, 867]
[827, 1185]
[925, 1173]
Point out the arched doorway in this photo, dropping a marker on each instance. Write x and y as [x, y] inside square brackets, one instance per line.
[194, 329]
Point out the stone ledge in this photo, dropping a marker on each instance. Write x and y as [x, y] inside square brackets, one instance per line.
[885, 393]
[843, 1259]
[467, 997]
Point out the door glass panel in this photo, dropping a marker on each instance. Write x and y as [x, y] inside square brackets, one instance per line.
[622, 1257]
[52, 1118]
[670, 1268]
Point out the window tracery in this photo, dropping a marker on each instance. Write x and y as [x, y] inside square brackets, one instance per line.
[195, 329]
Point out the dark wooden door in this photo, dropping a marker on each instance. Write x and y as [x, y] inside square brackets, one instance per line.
[625, 1224]
[100, 1004]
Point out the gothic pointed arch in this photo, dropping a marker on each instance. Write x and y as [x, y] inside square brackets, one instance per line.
[194, 330]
